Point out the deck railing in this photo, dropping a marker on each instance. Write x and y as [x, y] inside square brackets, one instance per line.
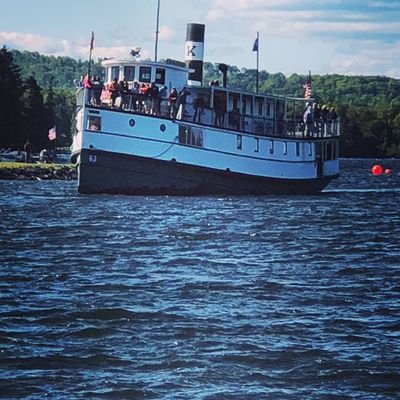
[256, 125]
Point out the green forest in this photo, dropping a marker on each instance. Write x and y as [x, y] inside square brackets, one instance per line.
[37, 92]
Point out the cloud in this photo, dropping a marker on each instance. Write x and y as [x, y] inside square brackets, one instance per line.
[370, 58]
[28, 41]
[276, 17]
[49, 46]
[167, 33]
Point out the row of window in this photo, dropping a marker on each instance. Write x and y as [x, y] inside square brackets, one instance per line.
[272, 145]
[144, 74]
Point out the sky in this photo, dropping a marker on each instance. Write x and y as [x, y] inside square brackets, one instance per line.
[350, 37]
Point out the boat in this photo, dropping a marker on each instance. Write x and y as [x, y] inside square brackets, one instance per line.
[213, 141]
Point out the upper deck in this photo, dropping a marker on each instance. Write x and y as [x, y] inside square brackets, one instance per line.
[216, 106]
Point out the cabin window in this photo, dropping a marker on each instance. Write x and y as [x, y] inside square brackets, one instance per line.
[114, 73]
[309, 149]
[336, 146]
[271, 147]
[160, 76]
[94, 123]
[330, 150]
[284, 148]
[239, 142]
[259, 105]
[190, 136]
[268, 109]
[297, 149]
[257, 147]
[129, 73]
[145, 74]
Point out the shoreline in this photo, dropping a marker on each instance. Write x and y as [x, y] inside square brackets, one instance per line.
[37, 171]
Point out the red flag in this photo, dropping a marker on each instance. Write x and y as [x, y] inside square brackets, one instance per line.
[307, 90]
[52, 133]
[92, 41]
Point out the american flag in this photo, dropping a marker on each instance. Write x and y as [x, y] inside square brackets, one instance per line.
[307, 90]
[52, 133]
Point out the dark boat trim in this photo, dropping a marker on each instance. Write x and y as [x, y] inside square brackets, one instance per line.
[106, 172]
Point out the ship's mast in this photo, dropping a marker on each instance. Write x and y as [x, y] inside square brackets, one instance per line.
[157, 30]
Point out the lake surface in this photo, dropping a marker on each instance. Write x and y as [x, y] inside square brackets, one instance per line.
[259, 297]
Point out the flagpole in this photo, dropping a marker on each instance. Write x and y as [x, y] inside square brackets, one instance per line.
[258, 48]
[90, 54]
[157, 30]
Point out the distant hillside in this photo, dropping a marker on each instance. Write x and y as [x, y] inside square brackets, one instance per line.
[49, 70]
[349, 90]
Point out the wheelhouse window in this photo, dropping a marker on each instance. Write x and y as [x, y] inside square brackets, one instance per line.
[129, 73]
[114, 73]
[145, 74]
[160, 76]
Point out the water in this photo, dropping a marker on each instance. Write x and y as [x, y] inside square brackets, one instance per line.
[262, 297]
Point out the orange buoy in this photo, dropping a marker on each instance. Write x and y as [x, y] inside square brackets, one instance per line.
[376, 169]
[388, 171]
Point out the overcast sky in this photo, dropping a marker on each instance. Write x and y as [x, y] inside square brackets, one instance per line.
[352, 37]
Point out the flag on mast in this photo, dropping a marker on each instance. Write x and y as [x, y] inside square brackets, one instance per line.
[255, 45]
[52, 133]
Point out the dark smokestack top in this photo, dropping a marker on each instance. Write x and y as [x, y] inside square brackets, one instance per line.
[195, 32]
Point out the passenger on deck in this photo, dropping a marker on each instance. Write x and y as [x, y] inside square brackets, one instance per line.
[316, 112]
[324, 113]
[135, 96]
[219, 108]
[97, 86]
[145, 105]
[234, 118]
[308, 119]
[113, 87]
[163, 98]
[124, 92]
[172, 99]
[155, 103]
[182, 98]
[199, 105]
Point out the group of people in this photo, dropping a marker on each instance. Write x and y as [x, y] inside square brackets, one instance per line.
[314, 116]
[145, 98]
[45, 155]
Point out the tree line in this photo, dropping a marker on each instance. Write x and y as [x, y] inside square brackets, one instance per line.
[37, 92]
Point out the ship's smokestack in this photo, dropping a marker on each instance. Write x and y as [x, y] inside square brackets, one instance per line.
[194, 52]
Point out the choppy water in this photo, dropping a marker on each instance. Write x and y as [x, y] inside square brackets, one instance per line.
[262, 297]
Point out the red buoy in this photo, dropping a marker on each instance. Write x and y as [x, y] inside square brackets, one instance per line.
[376, 169]
[388, 171]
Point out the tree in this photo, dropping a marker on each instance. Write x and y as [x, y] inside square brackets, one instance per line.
[10, 102]
[35, 117]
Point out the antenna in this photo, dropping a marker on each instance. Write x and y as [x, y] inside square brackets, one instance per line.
[157, 30]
